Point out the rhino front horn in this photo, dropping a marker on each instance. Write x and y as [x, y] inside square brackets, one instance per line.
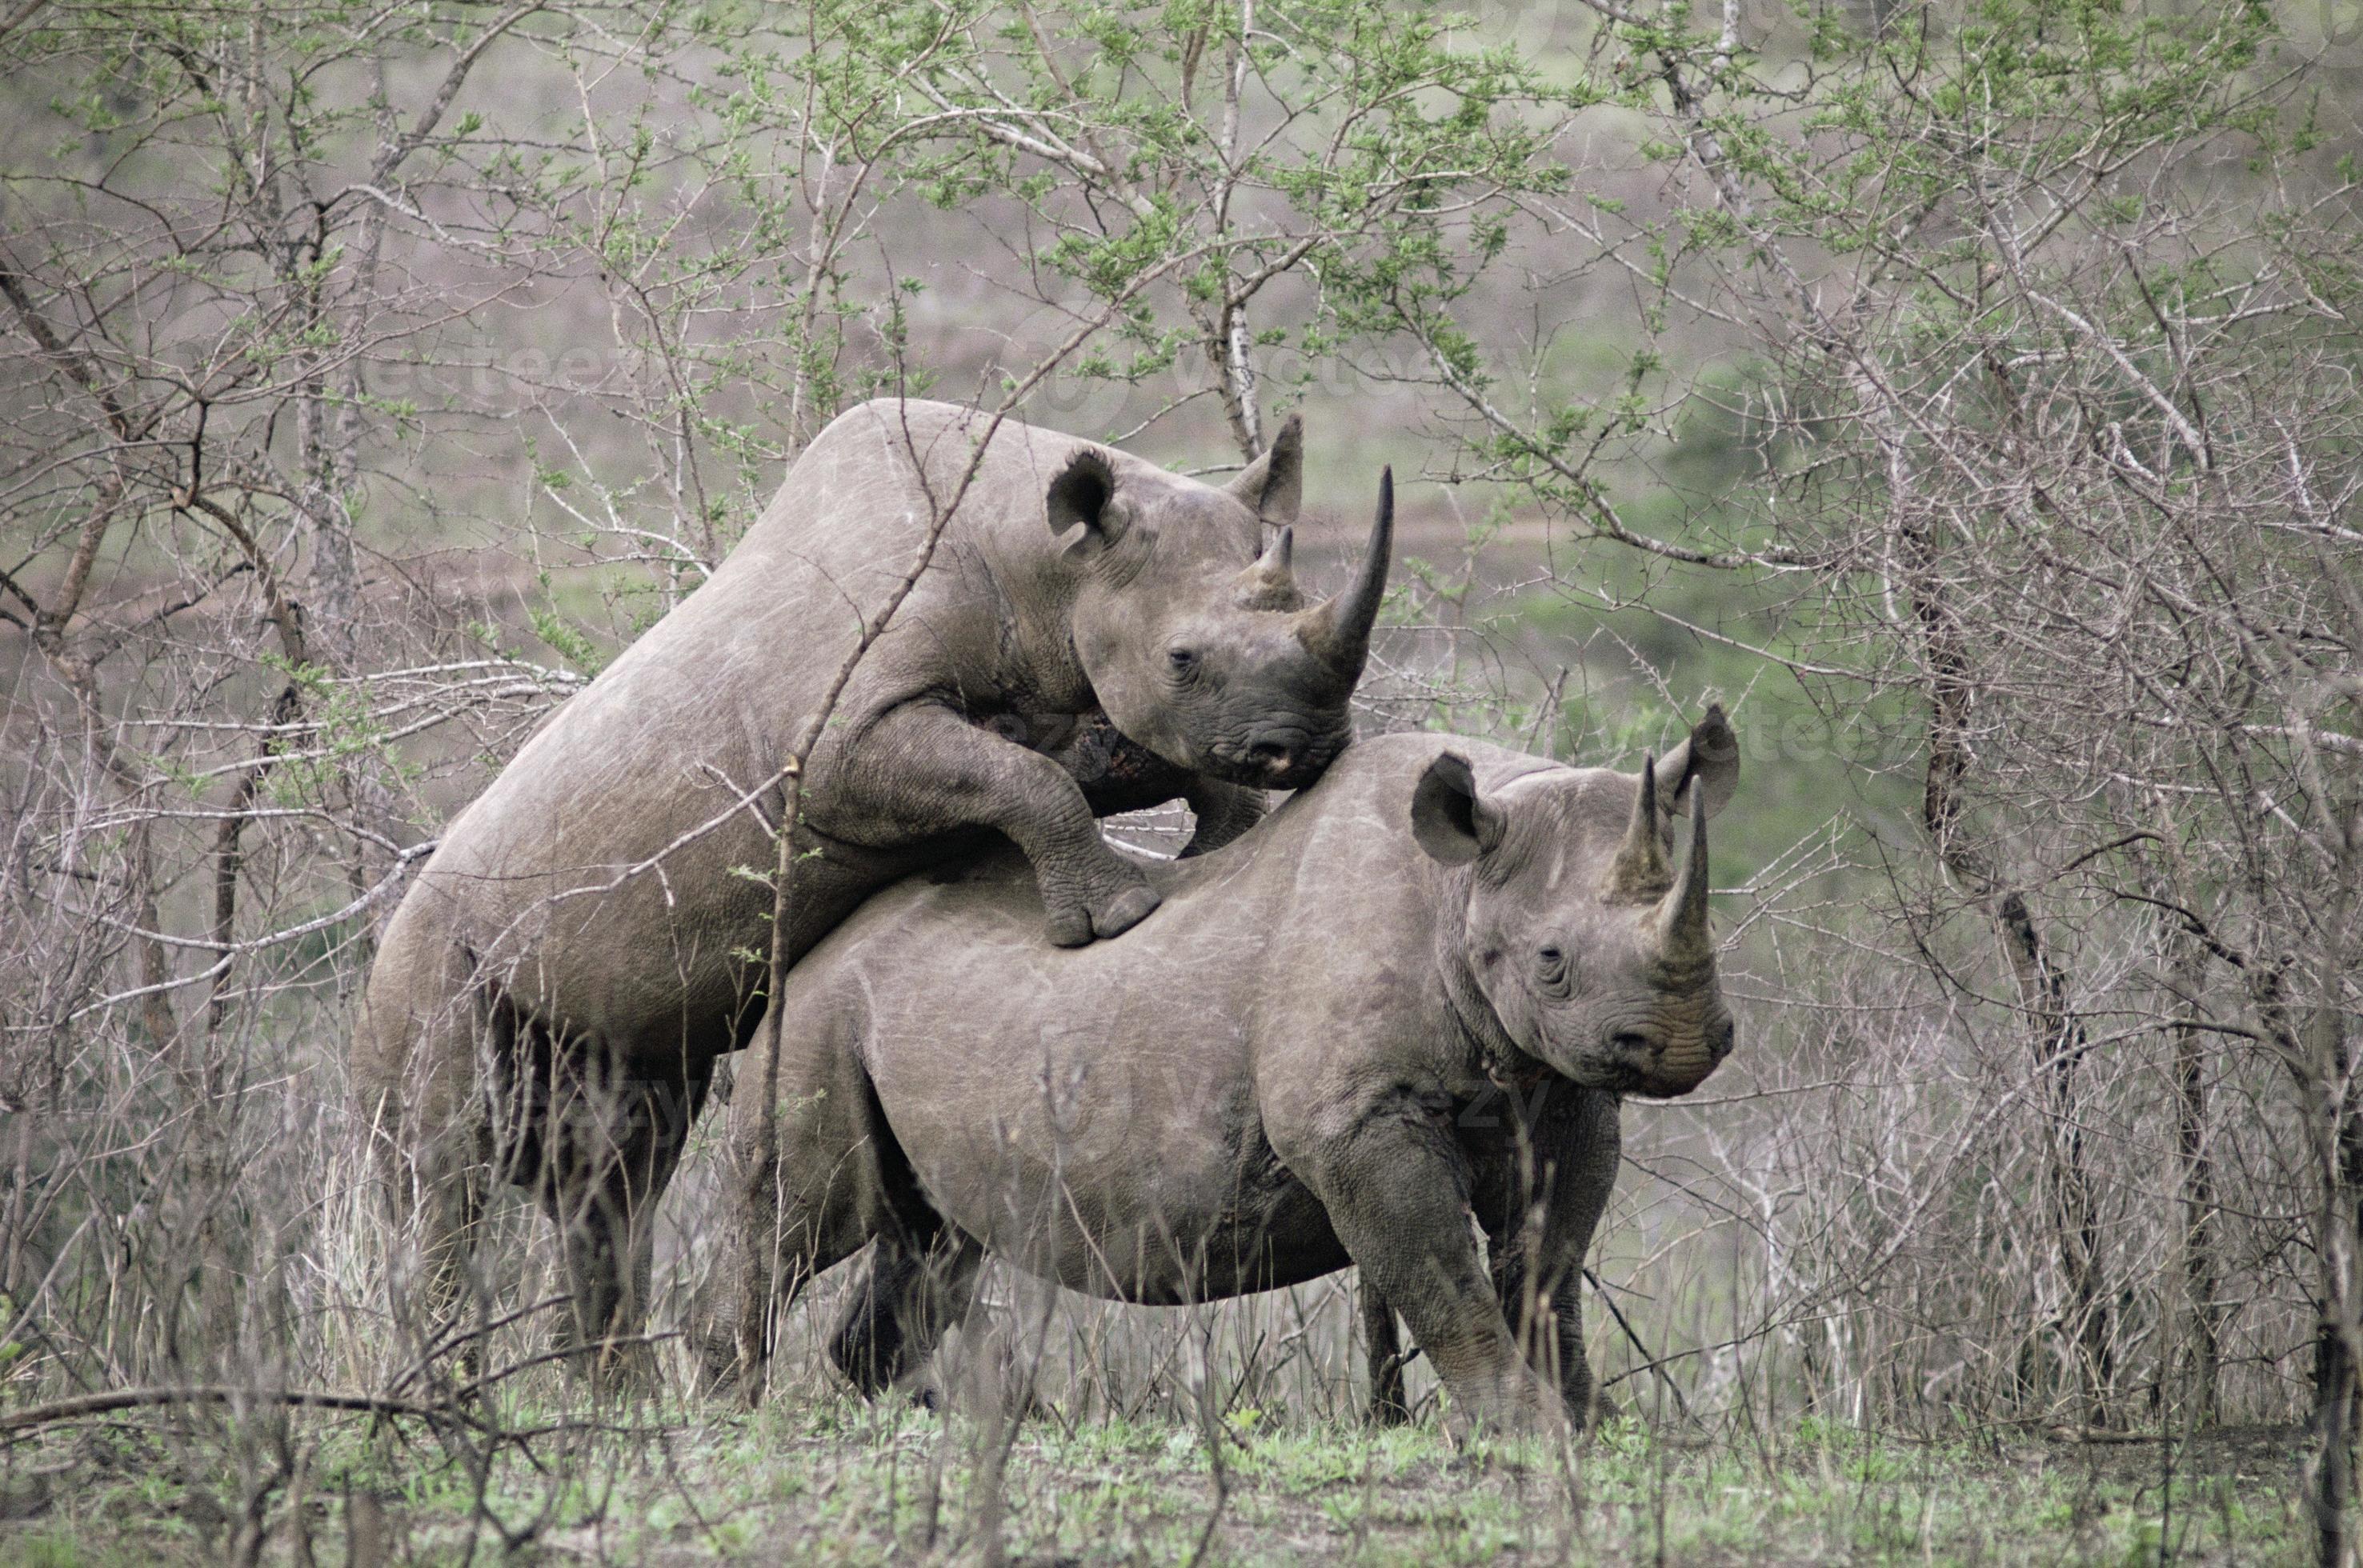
[1682, 918]
[1339, 630]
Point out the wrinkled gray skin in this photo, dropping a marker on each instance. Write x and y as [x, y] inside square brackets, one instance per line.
[1094, 634]
[1417, 990]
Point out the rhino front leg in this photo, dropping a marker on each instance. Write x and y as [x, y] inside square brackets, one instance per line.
[1540, 1204]
[1224, 813]
[1396, 1191]
[922, 769]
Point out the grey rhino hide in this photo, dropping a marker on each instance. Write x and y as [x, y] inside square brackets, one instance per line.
[1094, 634]
[1350, 1020]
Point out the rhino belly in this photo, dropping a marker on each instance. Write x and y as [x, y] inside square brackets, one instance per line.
[1151, 1236]
[1279, 1239]
[1109, 1176]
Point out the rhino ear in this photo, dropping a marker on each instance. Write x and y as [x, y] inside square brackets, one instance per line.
[1708, 761]
[1081, 494]
[1273, 487]
[1450, 819]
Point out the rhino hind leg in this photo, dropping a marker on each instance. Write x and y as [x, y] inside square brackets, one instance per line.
[907, 1299]
[868, 1344]
[434, 1188]
[598, 1147]
[414, 1067]
[812, 1178]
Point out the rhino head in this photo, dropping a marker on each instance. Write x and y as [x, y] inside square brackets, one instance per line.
[1575, 929]
[1200, 647]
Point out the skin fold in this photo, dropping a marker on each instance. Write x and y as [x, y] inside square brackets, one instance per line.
[1094, 634]
[1413, 993]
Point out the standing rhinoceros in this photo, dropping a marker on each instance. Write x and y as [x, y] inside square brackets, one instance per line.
[1094, 634]
[1415, 991]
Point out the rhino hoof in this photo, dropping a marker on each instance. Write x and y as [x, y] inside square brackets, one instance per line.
[1075, 924]
[1070, 927]
[1127, 910]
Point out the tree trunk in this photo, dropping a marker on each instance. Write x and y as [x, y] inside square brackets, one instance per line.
[2057, 1036]
[2331, 1489]
[2203, 1350]
[2337, 1388]
[2059, 1042]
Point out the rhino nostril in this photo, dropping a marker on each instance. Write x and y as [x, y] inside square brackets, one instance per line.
[1725, 1036]
[1629, 1045]
[1272, 756]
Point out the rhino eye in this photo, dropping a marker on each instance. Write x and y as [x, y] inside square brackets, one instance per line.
[1551, 962]
[1184, 660]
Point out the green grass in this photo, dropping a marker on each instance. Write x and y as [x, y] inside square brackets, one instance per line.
[831, 1481]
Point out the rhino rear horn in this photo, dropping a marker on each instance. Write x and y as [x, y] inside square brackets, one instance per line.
[1339, 632]
[1270, 583]
[1638, 871]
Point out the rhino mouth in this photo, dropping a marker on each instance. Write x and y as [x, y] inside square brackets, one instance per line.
[1272, 763]
[1648, 1088]
[1659, 1084]
[1275, 758]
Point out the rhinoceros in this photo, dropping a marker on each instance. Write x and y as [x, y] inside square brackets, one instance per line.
[1094, 634]
[1415, 991]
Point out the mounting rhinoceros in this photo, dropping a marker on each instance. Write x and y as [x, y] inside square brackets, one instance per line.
[1415, 990]
[1094, 634]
